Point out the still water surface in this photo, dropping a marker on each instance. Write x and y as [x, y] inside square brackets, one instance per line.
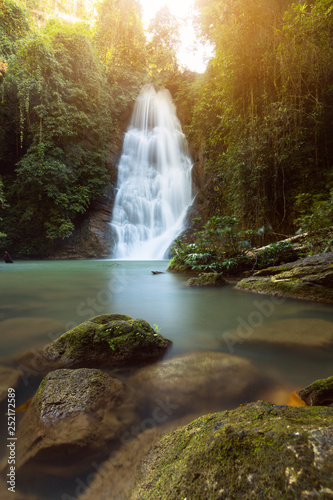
[42, 299]
[290, 340]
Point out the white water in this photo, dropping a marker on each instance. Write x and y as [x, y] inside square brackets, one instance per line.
[154, 186]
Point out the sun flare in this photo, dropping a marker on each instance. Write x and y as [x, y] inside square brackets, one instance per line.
[192, 54]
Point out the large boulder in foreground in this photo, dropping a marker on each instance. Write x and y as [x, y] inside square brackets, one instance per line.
[310, 278]
[72, 420]
[106, 340]
[258, 450]
[319, 393]
[199, 381]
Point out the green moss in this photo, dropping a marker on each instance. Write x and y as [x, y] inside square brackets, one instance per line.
[296, 282]
[39, 393]
[324, 383]
[103, 341]
[208, 279]
[257, 451]
[178, 266]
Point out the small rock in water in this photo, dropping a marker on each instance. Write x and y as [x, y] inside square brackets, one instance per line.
[208, 279]
[157, 272]
[7, 258]
[319, 393]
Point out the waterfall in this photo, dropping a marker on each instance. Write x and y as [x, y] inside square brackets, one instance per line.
[154, 186]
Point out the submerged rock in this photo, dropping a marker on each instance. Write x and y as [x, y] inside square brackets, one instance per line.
[71, 421]
[258, 450]
[208, 279]
[296, 333]
[202, 381]
[9, 378]
[319, 393]
[109, 340]
[310, 278]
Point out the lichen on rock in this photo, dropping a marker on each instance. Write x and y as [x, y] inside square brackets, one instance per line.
[208, 279]
[310, 278]
[258, 450]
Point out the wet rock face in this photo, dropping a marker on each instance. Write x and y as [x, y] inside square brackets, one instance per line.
[208, 279]
[109, 340]
[310, 278]
[258, 450]
[319, 393]
[71, 419]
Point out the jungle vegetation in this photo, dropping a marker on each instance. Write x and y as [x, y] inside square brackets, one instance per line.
[260, 118]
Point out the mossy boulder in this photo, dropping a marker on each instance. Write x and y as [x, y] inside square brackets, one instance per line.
[177, 265]
[73, 419]
[319, 393]
[310, 278]
[208, 279]
[258, 450]
[106, 340]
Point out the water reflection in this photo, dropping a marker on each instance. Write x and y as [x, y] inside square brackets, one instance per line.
[40, 300]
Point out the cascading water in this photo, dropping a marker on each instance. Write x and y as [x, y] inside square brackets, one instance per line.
[154, 186]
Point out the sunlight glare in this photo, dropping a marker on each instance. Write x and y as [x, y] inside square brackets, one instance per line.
[192, 54]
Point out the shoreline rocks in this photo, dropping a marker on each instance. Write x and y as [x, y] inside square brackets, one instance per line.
[207, 279]
[310, 278]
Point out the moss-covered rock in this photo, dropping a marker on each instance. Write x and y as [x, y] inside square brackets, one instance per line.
[72, 418]
[258, 450]
[176, 265]
[208, 279]
[109, 340]
[310, 278]
[319, 393]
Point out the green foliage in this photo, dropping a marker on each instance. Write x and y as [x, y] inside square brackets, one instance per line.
[316, 215]
[163, 44]
[120, 40]
[263, 111]
[276, 254]
[119, 33]
[13, 26]
[64, 109]
[220, 246]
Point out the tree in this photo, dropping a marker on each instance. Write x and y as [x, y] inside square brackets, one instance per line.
[264, 109]
[65, 124]
[13, 26]
[119, 34]
[164, 42]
